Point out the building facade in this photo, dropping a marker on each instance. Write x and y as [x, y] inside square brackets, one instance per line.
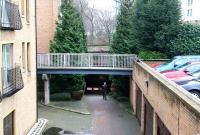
[47, 14]
[18, 108]
[190, 11]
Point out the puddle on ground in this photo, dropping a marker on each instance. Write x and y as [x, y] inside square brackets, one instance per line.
[57, 131]
[99, 113]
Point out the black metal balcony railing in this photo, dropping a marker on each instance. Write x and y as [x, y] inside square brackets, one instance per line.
[9, 16]
[12, 81]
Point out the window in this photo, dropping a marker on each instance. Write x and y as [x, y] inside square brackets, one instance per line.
[23, 56]
[8, 124]
[9, 16]
[190, 2]
[27, 12]
[193, 68]
[189, 12]
[7, 63]
[7, 52]
[28, 58]
[22, 7]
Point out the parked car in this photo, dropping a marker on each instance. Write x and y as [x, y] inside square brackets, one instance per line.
[193, 87]
[175, 62]
[192, 77]
[183, 71]
[155, 65]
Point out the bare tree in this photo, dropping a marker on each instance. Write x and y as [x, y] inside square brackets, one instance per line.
[98, 24]
[88, 15]
[107, 23]
[81, 6]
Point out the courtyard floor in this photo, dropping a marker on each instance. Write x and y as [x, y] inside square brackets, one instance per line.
[90, 116]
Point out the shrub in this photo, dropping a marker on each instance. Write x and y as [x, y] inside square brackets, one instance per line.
[69, 38]
[151, 55]
[187, 41]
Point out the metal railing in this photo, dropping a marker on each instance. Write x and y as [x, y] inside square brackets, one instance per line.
[85, 60]
[11, 81]
[9, 16]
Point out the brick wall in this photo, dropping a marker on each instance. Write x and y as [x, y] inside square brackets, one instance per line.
[47, 13]
[154, 61]
[175, 107]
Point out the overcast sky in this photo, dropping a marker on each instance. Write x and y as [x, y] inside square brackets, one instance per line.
[103, 4]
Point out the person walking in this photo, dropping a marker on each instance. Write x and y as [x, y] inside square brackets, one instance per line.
[104, 90]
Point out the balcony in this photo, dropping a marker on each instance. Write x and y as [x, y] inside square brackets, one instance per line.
[12, 81]
[9, 16]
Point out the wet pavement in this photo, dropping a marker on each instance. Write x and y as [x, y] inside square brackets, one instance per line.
[107, 118]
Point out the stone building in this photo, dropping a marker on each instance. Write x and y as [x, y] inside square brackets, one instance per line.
[190, 11]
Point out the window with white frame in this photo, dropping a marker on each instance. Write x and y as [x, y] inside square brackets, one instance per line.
[28, 57]
[23, 56]
[190, 2]
[189, 12]
[27, 12]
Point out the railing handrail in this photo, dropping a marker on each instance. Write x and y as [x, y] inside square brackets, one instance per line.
[110, 54]
[9, 16]
[11, 80]
[85, 60]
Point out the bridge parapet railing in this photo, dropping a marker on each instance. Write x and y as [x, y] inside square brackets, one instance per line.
[85, 60]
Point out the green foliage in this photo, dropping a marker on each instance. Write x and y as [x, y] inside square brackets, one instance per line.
[187, 41]
[123, 37]
[70, 35]
[69, 38]
[155, 23]
[66, 83]
[123, 42]
[60, 97]
[121, 85]
[151, 55]
[147, 27]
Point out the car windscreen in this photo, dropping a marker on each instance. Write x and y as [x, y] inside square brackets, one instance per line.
[180, 62]
[182, 67]
[193, 68]
[196, 74]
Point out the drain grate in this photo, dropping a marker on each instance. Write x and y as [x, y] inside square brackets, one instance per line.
[38, 128]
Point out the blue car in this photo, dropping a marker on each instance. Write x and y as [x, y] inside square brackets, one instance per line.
[177, 61]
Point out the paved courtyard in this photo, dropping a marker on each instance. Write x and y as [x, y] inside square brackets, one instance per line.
[106, 118]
